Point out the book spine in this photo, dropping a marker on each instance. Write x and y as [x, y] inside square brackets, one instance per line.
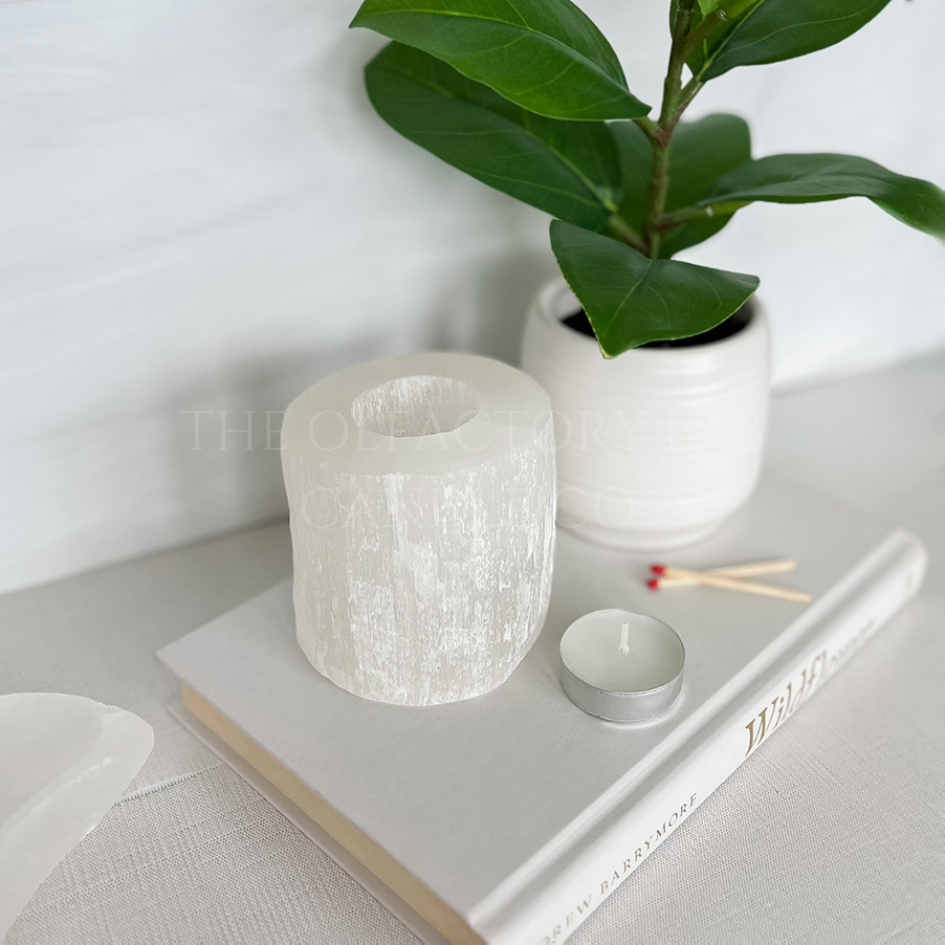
[552, 905]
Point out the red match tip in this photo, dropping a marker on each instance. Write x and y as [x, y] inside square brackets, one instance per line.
[658, 569]
[653, 584]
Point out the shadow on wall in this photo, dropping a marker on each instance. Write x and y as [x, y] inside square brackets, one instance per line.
[203, 224]
[485, 311]
[226, 458]
[227, 463]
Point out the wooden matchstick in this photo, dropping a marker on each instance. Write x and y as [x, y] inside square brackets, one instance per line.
[733, 584]
[777, 566]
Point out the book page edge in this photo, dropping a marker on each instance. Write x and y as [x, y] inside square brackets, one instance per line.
[369, 854]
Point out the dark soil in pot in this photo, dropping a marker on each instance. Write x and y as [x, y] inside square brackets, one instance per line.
[731, 326]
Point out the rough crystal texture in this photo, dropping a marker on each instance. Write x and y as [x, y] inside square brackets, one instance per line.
[422, 493]
[64, 761]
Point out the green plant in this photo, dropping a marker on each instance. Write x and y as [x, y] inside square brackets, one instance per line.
[529, 97]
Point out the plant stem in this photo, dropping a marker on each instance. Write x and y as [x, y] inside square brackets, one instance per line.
[622, 230]
[689, 92]
[669, 115]
[676, 99]
[704, 30]
[649, 128]
[688, 214]
[659, 186]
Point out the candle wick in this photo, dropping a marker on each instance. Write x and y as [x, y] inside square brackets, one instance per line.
[625, 638]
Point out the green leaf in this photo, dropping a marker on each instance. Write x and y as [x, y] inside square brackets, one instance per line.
[631, 299]
[807, 178]
[774, 30]
[544, 55]
[701, 152]
[707, 6]
[636, 168]
[569, 169]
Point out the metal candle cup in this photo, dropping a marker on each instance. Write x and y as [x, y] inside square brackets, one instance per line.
[621, 666]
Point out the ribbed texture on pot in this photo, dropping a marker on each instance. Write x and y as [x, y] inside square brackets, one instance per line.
[657, 447]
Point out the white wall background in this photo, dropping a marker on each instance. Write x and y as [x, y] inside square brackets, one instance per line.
[200, 212]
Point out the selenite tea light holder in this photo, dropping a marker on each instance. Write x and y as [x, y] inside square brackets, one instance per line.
[620, 666]
[422, 500]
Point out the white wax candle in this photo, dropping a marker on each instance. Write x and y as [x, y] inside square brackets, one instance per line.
[621, 666]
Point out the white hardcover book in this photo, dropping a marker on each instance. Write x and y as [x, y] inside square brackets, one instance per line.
[508, 818]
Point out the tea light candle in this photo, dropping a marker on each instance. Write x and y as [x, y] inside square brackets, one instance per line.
[621, 666]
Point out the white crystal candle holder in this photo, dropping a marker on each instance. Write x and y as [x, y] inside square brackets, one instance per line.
[422, 498]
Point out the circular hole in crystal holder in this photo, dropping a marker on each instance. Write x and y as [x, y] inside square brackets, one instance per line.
[418, 405]
[621, 666]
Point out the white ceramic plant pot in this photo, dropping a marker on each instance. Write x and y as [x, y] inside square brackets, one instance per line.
[655, 448]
